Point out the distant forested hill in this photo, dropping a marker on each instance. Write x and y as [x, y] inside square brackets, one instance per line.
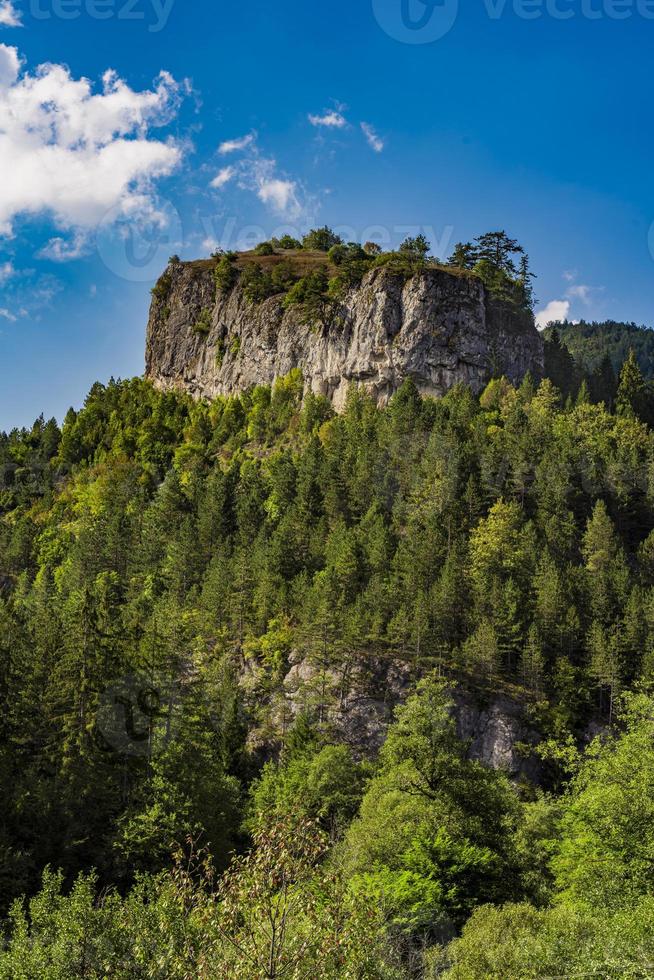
[590, 342]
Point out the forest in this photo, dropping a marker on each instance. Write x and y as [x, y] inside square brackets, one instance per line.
[171, 811]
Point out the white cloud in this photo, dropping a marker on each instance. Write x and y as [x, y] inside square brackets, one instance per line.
[281, 195]
[8, 315]
[9, 16]
[260, 175]
[7, 271]
[331, 118]
[374, 140]
[9, 65]
[580, 292]
[223, 177]
[235, 146]
[556, 309]
[77, 154]
[66, 249]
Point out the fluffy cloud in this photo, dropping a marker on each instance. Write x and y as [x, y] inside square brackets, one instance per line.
[77, 154]
[223, 177]
[331, 118]
[9, 16]
[236, 146]
[375, 141]
[259, 175]
[556, 309]
[66, 249]
[281, 195]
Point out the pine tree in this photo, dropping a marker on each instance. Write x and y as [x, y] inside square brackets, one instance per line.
[632, 397]
[532, 662]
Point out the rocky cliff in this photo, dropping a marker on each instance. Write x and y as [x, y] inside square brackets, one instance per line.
[438, 328]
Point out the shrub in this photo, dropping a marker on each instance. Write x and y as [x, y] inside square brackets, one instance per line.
[283, 276]
[225, 274]
[161, 288]
[320, 240]
[264, 248]
[287, 243]
[203, 323]
[352, 263]
[259, 284]
[256, 283]
[311, 292]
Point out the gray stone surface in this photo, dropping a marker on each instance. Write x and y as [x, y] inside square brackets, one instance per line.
[438, 328]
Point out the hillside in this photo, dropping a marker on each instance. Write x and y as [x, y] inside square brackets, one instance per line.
[211, 615]
[590, 343]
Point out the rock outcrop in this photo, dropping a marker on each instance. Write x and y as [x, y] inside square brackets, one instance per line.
[357, 705]
[438, 328]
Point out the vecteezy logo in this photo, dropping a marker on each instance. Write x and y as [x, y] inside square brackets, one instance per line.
[137, 715]
[416, 21]
[136, 245]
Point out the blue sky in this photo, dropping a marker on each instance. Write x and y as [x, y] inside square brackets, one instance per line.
[531, 116]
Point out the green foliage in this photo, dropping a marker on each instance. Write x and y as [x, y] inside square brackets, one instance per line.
[259, 284]
[421, 844]
[631, 399]
[225, 274]
[264, 248]
[352, 263]
[210, 572]
[502, 265]
[323, 783]
[320, 240]
[161, 289]
[409, 260]
[203, 323]
[278, 911]
[592, 344]
[519, 941]
[601, 914]
[287, 243]
[311, 294]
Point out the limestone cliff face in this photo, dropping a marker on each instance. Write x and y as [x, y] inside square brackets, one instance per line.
[438, 328]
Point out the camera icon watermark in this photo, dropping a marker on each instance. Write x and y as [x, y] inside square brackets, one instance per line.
[136, 246]
[416, 21]
[138, 714]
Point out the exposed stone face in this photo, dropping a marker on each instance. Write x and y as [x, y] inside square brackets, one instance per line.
[438, 328]
[360, 700]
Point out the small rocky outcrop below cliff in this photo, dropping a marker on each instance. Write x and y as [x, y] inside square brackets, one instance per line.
[498, 734]
[356, 703]
[438, 328]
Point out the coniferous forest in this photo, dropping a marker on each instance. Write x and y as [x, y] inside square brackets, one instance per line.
[190, 596]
